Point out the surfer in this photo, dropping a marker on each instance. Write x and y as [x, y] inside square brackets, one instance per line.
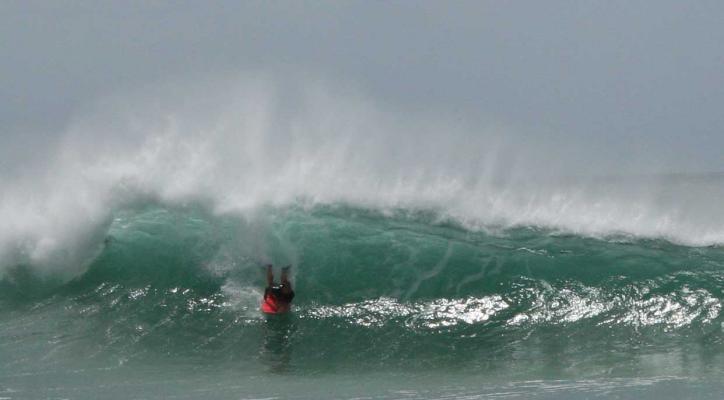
[277, 298]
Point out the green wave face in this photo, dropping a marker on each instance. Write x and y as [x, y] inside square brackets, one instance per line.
[397, 292]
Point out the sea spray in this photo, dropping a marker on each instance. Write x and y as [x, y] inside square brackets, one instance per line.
[237, 144]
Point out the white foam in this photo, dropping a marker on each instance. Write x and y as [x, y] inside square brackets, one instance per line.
[247, 141]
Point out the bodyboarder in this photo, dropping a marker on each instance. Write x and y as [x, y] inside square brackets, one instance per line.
[277, 298]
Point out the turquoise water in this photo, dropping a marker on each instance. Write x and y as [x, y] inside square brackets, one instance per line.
[397, 304]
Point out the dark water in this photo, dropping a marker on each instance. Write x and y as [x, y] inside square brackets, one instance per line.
[396, 305]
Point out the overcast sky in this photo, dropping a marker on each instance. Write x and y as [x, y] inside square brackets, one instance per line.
[628, 78]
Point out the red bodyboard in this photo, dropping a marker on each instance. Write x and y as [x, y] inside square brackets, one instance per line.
[271, 306]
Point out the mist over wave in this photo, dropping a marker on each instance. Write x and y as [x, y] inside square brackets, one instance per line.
[240, 143]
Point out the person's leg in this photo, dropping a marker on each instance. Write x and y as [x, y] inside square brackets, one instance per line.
[270, 276]
[285, 277]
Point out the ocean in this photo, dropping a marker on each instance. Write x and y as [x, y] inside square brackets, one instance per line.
[432, 258]
[478, 199]
[391, 303]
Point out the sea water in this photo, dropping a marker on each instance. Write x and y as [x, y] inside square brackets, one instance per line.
[394, 305]
[431, 257]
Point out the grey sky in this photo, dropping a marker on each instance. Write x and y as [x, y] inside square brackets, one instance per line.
[629, 79]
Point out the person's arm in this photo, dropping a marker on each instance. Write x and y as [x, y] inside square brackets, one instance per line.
[270, 276]
[285, 277]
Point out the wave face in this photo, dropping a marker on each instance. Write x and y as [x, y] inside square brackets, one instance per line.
[403, 291]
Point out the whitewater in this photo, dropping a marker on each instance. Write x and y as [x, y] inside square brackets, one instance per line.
[432, 258]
